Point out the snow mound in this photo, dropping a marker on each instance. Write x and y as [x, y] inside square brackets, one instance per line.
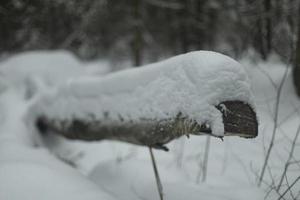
[29, 172]
[48, 67]
[43, 64]
[191, 84]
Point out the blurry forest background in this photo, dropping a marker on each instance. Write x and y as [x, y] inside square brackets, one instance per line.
[145, 30]
[136, 32]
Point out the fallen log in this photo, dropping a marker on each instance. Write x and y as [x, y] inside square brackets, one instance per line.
[239, 120]
[196, 93]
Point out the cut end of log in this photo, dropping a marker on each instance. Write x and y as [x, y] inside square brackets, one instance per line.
[239, 119]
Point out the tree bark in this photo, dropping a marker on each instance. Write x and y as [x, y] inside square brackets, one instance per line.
[239, 120]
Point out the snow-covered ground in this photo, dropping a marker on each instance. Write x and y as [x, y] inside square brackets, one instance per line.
[115, 170]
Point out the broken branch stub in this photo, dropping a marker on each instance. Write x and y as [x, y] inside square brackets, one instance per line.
[239, 120]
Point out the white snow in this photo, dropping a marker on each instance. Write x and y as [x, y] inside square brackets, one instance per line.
[29, 172]
[191, 84]
[115, 170]
[50, 67]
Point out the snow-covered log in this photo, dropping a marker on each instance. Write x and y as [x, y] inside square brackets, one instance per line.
[195, 93]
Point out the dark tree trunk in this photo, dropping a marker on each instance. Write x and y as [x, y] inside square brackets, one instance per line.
[259, 39]
[268, 19]
[138, 38]
[296, 71]
[183, 27]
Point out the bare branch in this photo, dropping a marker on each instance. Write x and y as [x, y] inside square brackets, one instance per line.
[158, 182]
[274, 127]
[295, 181]
[205, 161]
[289, 159]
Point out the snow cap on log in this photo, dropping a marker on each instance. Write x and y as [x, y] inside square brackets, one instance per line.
[200, 91]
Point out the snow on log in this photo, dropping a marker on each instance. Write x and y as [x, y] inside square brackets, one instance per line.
[196, 93]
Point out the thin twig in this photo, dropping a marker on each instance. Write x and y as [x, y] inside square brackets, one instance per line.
[274, 127]
[268, 77]
[294, 162]
[272, 186]
[180, 154]
[298, 195]
[289, 159]
[200, 169]
[205, 161]
[158, 182]
[291, 192]
[295, 181]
